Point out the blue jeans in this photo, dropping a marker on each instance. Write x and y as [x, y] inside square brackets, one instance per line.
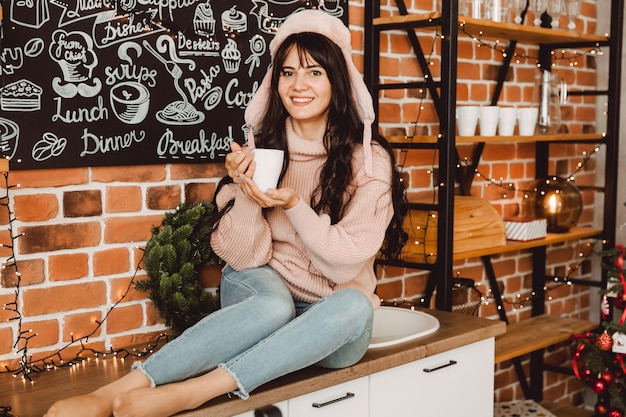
[261, 333]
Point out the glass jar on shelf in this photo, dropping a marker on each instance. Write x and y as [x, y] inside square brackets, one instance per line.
[547, 95]
[498, 11]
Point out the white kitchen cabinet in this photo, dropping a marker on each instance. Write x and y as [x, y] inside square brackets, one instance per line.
[348, 399]
[343, 400]
[458, 382]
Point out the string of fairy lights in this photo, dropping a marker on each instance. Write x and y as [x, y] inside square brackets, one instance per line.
[519, 300]
[510, 187]
[27, 364]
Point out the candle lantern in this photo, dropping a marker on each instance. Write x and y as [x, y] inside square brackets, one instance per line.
[559, 202]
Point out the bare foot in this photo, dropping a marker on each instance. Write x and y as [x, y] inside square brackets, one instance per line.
[162, 401]
[100, 402]
[91, 405]
[169, 399]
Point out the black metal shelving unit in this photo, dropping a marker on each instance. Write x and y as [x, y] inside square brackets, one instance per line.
[443, 93]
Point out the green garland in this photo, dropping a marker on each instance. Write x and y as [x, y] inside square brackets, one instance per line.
[177, 250]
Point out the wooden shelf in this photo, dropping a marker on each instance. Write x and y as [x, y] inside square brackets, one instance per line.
[551, 239]
[536, 333]
[496, 30]
[526, 33]
[407, 141]
[510, 246]
[422, 20]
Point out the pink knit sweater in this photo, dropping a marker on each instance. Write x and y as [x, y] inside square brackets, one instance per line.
[314, 257]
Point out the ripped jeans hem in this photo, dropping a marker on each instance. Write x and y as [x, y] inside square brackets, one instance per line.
[139, 367]
[241, 392]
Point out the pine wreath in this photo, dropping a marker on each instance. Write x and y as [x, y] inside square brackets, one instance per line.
[172, 260]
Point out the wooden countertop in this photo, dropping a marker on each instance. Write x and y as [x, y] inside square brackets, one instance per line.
[33, 399]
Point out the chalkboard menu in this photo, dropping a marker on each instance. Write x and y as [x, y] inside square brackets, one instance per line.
[127, 82]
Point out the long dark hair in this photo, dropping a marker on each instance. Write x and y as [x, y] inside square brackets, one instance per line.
[344, 133]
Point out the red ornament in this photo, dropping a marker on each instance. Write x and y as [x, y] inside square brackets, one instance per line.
[600, 409]
[599, 386]
[620, 301]
[607, 376]
[604, 341]
[614, 412]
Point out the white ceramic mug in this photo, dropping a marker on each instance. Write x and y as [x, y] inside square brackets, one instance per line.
[466, 120]
[269, 163]
[507, 121]
[526, 120]
[488, 120]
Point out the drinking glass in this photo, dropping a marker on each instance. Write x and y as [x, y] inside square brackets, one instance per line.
[472, 8]
[518, 7]
[538, 7]
[572, 10]
[497, 10]
[554, 10]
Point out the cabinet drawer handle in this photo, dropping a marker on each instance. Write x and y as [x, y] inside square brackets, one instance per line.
[336, 400]
[441, 366]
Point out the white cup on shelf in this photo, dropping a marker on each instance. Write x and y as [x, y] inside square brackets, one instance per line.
[488, 120]
[507, 121]
[467, 119]
[526, 120]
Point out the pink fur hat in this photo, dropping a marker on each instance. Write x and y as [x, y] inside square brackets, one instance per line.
[318, 22]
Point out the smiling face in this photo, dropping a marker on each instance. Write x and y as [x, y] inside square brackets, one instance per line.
[305, 91]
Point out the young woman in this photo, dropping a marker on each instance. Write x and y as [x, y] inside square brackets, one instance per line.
[298, 288]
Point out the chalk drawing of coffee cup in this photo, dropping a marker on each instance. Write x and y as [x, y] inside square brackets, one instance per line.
[9, 137]
[332, 7]
[331, 4]
[130, 102]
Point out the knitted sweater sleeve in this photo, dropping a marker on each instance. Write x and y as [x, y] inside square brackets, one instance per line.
[341, 251]
[243, 238]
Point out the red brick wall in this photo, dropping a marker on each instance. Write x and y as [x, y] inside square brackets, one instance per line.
[83, 228]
